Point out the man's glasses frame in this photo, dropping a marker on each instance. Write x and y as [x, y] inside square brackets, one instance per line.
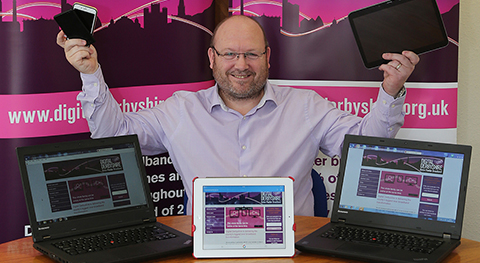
[235, 55]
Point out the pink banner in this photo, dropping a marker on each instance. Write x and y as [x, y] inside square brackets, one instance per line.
[425, 108]
[50, 114]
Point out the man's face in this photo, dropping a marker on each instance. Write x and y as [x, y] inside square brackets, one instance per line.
[240, 78]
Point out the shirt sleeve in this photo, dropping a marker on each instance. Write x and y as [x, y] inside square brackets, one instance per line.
[386, 116]
[105, 118]
[385, 119]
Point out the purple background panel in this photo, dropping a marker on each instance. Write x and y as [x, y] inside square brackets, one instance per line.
[214, 220]
[59, 197]
[431, 185]
[273, 215]
[118, 184]
[427, 211]
[273, 238]
[368, 183]
[29, 42]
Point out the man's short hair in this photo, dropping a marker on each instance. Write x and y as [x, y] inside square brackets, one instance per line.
[224, 20]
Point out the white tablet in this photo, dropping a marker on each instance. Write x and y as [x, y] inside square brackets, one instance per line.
[243, 217]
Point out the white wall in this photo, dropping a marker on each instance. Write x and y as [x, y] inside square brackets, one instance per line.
[469, 108]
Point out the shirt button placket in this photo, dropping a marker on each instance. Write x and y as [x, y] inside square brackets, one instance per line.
[243, 146]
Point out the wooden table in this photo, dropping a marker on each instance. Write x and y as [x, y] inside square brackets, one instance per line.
[21, 250]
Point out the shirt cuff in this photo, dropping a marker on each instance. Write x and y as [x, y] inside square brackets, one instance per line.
[392, 110]
[390, 106]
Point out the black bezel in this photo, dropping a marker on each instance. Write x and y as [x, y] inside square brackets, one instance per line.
[392, 44]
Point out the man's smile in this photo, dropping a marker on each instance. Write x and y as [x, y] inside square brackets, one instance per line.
[242, 75]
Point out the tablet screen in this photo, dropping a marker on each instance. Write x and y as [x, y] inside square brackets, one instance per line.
[233, 215]
[395, 26]
[240, 217]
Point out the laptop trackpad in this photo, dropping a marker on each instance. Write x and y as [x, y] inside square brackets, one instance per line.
[359, 248]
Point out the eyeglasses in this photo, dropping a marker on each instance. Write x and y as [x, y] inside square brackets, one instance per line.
[235, 55]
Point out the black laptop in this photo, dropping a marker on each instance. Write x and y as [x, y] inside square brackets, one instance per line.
[396, 201]
[89, 201]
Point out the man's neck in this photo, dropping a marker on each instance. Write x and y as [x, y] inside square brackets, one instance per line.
[243, 106]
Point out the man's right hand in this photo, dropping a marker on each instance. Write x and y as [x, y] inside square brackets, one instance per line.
[83, 58]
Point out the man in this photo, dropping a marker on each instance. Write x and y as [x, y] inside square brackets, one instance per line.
[242, 126]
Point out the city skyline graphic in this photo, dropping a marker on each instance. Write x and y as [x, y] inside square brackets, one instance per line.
[108, 9]
[328, 10]
[152, 44]
[158, 51]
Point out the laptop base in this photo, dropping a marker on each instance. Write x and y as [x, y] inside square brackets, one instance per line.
[369, 252]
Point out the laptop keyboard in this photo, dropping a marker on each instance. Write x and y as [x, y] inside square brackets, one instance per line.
[385, 239]
[113, 240]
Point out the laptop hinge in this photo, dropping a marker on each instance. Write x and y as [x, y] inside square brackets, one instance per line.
[447, 236]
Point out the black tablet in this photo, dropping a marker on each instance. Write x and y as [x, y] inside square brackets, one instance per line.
[395, 26]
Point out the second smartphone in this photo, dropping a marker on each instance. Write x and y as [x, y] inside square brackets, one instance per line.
[88, 15]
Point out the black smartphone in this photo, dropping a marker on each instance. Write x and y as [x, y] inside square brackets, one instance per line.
[73, 27]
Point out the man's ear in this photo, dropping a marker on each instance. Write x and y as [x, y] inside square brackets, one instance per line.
[269, 51]
[211, 56]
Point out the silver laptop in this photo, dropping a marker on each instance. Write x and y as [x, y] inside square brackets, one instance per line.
[395, 201]
[89, 201]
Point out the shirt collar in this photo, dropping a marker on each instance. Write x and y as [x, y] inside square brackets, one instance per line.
[268, 96]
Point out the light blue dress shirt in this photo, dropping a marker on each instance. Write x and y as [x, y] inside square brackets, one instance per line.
[279, 137]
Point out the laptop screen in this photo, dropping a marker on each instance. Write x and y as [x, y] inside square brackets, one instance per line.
[240, 217]
[407, 182]
[70, 184]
